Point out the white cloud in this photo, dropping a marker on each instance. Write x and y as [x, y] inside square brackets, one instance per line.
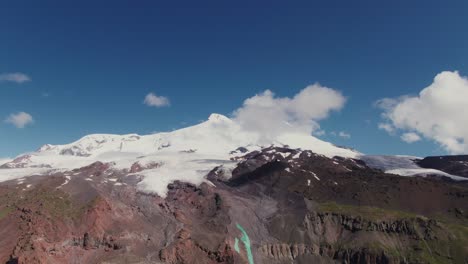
[410, 137]
[438, 113]
[20, 120]
[16, 77]
[152, 99]
[272, 116]
[387, 127]
[319, 132]
[344, 135]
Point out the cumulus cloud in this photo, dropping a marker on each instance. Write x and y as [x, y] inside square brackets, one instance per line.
[20, 120]
[344, 135]
[437, 113]
[271, 116]
[410, 137]
[16, 77]
[154, 100]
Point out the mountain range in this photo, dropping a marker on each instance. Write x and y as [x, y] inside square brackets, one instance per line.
[218, 193]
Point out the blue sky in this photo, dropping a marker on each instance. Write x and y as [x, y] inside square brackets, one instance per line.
[92, 64]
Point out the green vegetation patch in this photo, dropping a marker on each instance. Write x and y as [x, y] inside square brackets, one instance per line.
[53, 202]
[5, 211]
[366, 212]
[450, 244]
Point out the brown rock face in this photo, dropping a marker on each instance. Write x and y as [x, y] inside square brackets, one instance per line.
[137, 167]
[276, 209]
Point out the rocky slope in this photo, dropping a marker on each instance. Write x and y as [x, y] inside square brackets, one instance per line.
[275, 205]
[457, 165]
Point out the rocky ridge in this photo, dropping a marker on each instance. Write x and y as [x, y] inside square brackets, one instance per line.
[281, 205]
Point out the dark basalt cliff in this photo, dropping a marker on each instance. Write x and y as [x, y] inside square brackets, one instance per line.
[280, 206]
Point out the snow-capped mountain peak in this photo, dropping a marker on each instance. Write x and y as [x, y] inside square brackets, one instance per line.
[186, 154]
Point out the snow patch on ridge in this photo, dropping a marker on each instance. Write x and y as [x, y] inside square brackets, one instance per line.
[424, 172]
[67, 180]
